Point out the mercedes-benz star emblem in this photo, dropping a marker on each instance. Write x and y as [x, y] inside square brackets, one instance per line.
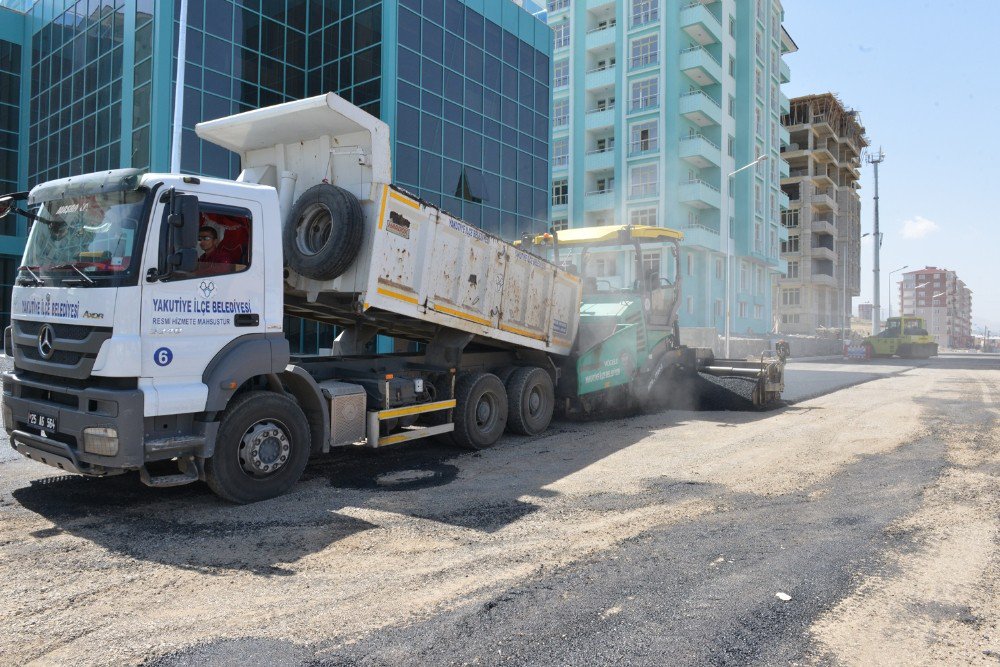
[45, 336]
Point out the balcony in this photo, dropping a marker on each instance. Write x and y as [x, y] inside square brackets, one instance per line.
[601, 36]
[700, 151]
[783, 72]
[700, 24]
[823, 200]
[600, 159]
[783, 136]
[824, 279]
[783, 169]
[600, 118]
[822, 252]
[783, 200]
[701, 108]
[600, 77]
[697, 234]
[701, 66]
[560, 163]
[599, 200]
[823, 226]
[699, 194]
[783, 104]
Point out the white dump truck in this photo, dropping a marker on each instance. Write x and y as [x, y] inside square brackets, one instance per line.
[147, 318]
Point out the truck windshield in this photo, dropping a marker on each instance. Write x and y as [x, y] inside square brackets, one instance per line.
[88, 239]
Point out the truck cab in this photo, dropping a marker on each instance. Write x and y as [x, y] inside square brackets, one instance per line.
[122, 339]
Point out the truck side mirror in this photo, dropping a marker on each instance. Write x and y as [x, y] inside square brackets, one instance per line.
[6, 203]
[183, 221]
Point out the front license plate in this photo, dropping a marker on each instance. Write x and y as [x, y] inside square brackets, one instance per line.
[43, 422]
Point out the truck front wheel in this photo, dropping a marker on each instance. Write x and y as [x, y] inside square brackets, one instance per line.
[261, 449]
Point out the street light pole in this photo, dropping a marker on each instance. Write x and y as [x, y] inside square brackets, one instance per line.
[877, 306]
[890, 286]
[729, 254]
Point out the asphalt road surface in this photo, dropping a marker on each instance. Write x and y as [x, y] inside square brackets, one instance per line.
[859, 524]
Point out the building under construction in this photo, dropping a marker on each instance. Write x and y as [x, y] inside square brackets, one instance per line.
[823, 249]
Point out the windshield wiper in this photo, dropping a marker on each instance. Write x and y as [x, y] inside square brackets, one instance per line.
[90, 281]
[34, 276]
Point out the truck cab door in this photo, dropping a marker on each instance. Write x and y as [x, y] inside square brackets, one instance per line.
[187, 319]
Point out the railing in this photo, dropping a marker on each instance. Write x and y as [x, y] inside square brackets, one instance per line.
[689, 137]
[561, 161]
[597, 151]
[698, 181]
[605, 191]
[643, 146]
[698, 4]
[702, 92]
[692, 49]
[644, 60]
[648, 102]
[601, 109]
[601, 68]
[643, 190]
[598, 28]
[698, 225]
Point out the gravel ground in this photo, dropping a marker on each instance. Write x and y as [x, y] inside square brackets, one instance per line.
[660, 539]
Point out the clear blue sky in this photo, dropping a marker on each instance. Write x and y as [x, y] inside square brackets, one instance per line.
[924, 76]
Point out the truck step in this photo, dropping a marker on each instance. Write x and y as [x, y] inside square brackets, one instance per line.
[178, 479]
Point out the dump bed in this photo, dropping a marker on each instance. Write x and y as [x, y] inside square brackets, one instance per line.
[419, 269]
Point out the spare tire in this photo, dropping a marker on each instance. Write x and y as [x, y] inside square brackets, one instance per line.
[322, 235]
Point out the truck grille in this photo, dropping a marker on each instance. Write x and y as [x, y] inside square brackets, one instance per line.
[75, 348]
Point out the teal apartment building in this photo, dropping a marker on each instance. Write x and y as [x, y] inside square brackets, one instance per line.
[88, 85]
[655, 104]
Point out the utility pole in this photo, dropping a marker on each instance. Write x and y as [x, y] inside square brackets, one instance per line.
[876, 159]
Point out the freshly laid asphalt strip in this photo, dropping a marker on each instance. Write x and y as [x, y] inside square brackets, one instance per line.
[725, 392]
[698, 593]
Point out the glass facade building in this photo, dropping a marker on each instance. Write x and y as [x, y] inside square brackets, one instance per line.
[463, 85]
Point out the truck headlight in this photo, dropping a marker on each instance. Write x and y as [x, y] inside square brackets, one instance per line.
[100, 440]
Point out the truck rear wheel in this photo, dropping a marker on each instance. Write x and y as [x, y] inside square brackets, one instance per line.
[322, 235]
[261, 449]
[480, 413]
[530, 400]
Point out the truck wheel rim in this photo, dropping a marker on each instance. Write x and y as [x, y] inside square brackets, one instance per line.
[264, 448]
[313, 229]
[535, 402]
[486, 412]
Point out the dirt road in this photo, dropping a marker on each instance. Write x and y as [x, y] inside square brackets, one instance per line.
[660, 539]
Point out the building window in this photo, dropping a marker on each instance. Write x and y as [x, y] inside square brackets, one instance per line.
[560, 73]
[759, 83]
[758, 199]
[787, 318]
[690, 305]
[758, 312]
[719, 269]
[731, 146]
[645, 11]
[559, 224]
[560, 192]
[645, 94]
[732, 26]
[759, 275]
[645, 51]
[744, 277]
[561, 33]
[790, 219]
[556, 5]
[791, 245]
[791, 297]
[689, 258]
[718, 308]
[560, 152]
[560, 113]
[732, 67]
[644, 137]
[743, 309]
[651, 263]
[643, 216]
[758, 237]
[644, 181]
